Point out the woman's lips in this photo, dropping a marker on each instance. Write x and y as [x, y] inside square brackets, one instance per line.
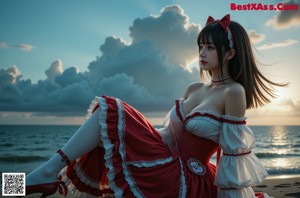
[203, 62]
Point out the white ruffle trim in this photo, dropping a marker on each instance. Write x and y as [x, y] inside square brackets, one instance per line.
[92, 106]
[240, 171]
[236, 193]
[182, 190]
[141, 164]
[239, 193]
[236, 139]
[267, 196]
[108, 147]
[83, 178]
[234, 118]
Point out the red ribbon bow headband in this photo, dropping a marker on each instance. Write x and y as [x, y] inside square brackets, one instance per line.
[224, 23]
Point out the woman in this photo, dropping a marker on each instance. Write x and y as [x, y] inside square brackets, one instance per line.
[117, 153]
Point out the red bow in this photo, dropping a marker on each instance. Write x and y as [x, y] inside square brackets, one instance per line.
[224, 22]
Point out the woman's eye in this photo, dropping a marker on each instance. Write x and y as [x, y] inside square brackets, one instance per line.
[211, 48]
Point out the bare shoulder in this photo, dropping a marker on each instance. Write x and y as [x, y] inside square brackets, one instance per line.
[192, 87]
[235, 100]
[235, 89]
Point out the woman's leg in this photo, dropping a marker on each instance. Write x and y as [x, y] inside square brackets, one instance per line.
[86, 138]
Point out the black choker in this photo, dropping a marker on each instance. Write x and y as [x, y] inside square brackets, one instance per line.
[222, 80]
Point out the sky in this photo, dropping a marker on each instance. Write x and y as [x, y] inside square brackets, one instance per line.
[56, 56]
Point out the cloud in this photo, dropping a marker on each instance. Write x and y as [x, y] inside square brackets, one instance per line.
[256, 37]
[55, 69]
[70, 76]
[285, 108]
[292, 105]
[3, 45]
[149, 72]
[287, 102]
[69, 94]
[121, 84]
[286, 18]
[280, 44]
[24, 47]
[171, 24]
[9, 76]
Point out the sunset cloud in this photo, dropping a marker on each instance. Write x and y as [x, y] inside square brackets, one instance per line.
[286, 18]
[279, 44]
[285, 111]
[292, 105]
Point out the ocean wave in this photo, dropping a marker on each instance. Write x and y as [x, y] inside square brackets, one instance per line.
[276, 155]
[6, 145]
[283, 171]
[278, 146]
[22, 159]
[31, 149]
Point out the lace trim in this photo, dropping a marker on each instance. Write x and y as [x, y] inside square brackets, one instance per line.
[242, 192]
[121, 132]
[84, 179]
[108, 148]
[92, 107]
[202, 114]
[150, 163]
[179, 110]
[182, 189]
[230, 118]
[75, 192]
[207, 119]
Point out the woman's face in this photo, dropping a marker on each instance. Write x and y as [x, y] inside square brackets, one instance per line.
[208, 56]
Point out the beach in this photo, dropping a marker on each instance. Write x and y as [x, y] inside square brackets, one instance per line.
[280, 186]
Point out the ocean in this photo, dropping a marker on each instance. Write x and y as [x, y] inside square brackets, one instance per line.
[24, 148]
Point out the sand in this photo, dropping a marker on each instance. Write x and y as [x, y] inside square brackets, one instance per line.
[280, 186]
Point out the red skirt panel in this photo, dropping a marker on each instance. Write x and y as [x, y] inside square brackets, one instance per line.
[135, 162]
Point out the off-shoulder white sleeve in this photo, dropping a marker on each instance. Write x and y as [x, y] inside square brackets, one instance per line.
[238, 169]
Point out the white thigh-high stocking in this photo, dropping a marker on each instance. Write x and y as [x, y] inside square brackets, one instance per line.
[86, 138]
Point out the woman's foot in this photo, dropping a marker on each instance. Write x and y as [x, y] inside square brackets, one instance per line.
[45, 189]
[48, 172]
[44, 174]
[44, 179]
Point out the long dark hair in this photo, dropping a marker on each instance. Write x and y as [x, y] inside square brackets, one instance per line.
[242, 67]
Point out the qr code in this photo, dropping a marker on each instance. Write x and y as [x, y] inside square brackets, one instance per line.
[13, 184]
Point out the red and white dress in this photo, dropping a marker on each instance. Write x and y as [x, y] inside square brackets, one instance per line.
[136, 162]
